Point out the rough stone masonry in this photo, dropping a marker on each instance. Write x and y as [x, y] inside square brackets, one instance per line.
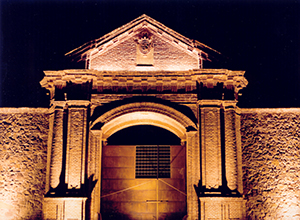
[23, 159]
[271, 151]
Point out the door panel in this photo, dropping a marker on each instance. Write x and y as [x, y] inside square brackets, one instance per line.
[125, 197]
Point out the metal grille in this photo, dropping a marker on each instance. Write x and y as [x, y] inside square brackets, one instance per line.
[152, 162]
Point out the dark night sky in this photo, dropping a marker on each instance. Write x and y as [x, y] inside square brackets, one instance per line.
[260, 37]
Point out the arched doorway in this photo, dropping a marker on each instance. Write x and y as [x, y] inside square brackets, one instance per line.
[123, 193]
[144, 177]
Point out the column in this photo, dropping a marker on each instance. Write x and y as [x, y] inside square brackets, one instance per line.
[230, 146]
[94, 172]
[55, 147]
[76, 145]
[239, 151]
[192, 173]
[67, 194]
[221, 165]
[211, 161]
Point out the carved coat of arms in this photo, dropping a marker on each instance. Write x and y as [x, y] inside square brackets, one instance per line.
[144, 48]
[144, 42]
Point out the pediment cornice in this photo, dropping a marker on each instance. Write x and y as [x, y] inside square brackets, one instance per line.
[133, 28]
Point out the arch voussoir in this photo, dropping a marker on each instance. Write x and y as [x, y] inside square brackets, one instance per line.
[144, 113]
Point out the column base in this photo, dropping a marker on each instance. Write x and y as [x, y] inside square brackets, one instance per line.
[222, 208]
[64, 208]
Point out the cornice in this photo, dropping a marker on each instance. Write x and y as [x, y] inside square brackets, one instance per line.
[127, 30]
[24, 110]
[269, 110]
[145, 80]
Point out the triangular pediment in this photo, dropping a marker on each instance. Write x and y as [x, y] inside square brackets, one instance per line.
[142, 44]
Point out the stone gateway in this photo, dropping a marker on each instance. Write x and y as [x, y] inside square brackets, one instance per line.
[224, 163]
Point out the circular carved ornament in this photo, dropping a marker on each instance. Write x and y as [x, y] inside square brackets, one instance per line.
[145, 46]
[144, 41]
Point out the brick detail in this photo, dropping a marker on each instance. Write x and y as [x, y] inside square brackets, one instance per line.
[219, 208]
[64, 208]
[211, 147]
[142, 81]
[75, 161]
[98, 99]
[124, 55]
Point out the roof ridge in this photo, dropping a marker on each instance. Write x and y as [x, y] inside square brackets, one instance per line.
[83, 46]
[96, 42]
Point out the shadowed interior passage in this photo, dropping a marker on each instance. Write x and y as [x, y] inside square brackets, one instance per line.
[143, 135]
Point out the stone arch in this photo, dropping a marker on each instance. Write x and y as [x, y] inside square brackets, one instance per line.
[144, 113]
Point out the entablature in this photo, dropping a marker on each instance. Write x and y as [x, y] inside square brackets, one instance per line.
[144, 81]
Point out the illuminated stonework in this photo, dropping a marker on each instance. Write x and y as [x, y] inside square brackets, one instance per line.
[23, 158]
[144, 74]
[271, 152]
[230, 163]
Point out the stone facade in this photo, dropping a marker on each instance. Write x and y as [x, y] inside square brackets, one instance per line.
[141, 43]
[270, 165]
[237, 163]
[270, 162]
[24, 134]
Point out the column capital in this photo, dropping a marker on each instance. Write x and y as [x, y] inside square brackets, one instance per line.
[78, 103]
[57, 104]
[96, 132]
[229, 103]
[68, 103]
[209, 103]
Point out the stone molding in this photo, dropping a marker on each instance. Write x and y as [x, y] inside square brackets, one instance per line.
[68, 103]
[211, 77]
[100, 99]
[145, 80]
[23, 110]
[60, 208]
[111, 39]
[146, 106]
[269, 110]
[222, 208]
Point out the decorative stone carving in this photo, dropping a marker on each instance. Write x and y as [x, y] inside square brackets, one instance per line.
[144, 41]
[143, 81]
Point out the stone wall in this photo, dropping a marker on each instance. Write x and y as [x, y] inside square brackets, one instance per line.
[271, 162]
[23, 159]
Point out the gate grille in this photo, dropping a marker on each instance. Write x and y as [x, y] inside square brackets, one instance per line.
[152, 162]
